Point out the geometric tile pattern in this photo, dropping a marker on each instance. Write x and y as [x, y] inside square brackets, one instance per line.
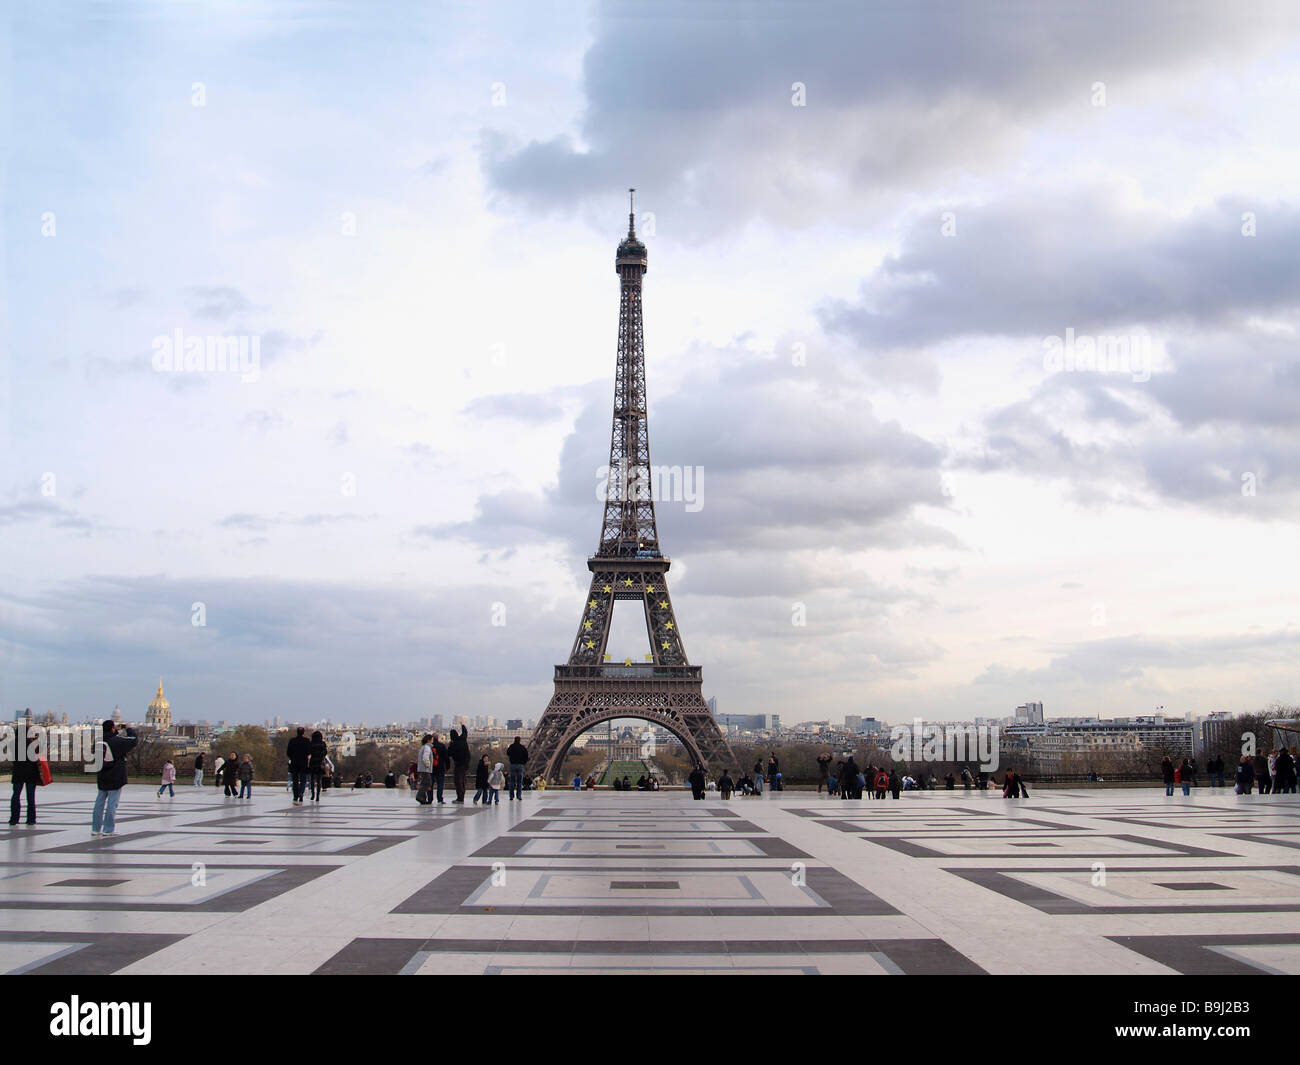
[1123, 881]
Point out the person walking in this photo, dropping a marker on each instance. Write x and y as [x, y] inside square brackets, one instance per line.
[111, 778]
[1286, 773]
[517, 756]
[245, 774]
[725, 784]
[26, 775]
[424, 763]
[198, 770]
[439, 765]
[298, 752]
[696, 780]
[481, 780]
[317, 754]
[459, 751]
[1262, 778]
[882, 783]
[1167, 771]
[495, 779]
[230, 776]
[168, 779]
[1184, 776]
[216, 771]
[823, 772]
[895, 783]
[1245, 775]
[774, 772]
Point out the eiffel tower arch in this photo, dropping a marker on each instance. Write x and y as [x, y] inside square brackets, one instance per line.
[628, 566]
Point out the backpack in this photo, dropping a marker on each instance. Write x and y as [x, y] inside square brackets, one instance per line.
[1178, 775]
[433, 756]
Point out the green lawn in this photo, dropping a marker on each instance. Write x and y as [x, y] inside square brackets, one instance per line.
[632, 770]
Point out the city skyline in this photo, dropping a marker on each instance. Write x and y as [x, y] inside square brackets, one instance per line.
[850, 320]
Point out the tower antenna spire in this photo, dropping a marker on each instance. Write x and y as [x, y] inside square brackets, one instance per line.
[631, 213]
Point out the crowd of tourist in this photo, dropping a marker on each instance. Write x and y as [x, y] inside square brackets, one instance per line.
[312, 772]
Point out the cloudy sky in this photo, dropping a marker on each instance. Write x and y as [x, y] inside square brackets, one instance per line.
[875, 231]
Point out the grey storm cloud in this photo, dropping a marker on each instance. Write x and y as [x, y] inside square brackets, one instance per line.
[695, 99]
[1216, 429]
[217, 302]
[261, 523]
[518, 406]
[44, 510]
[1126, 659]
[349, 649]
[1040, 267]
[773, 456]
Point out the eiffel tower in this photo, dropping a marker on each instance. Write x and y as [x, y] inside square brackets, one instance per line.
[628, 566]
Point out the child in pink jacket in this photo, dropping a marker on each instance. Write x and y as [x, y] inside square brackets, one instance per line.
[168, 779]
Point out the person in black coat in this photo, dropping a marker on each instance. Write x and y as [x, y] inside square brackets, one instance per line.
[230, 776]
[440, 768]
[459, 751]
[316, 755]
[696, 780]
[298, 752]
[481, 779]
[1245, 776]
[26, 776]
[849, 782]
[517, 756]
[111, 778]
[1284, 771]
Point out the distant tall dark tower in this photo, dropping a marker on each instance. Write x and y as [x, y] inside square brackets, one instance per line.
[628, 565]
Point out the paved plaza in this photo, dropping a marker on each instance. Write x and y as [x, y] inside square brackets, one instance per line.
[1098, 882]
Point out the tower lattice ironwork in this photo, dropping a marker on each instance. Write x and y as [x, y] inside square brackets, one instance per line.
[628, 565]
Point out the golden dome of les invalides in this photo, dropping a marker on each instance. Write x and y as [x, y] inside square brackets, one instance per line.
[160, 711]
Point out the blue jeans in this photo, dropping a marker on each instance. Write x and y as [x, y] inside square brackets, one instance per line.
[515, 783]
[439, 777]
[246, 789]
[167, 788]
[198, 778]
[105, 810]
[1187, 787]
[1169, 789]
[482, 793]
[494, 796]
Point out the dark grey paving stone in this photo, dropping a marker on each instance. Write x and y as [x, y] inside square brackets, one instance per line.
[89, 882]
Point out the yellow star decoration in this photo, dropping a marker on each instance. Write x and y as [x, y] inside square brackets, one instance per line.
[665, 645]
[669, 625]
[663, 604]
[650, 588]
[590, 645]
[628, 582]
[592, 604]
[627, 661]
[586, 624]
[606, 657]
[608, 589]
